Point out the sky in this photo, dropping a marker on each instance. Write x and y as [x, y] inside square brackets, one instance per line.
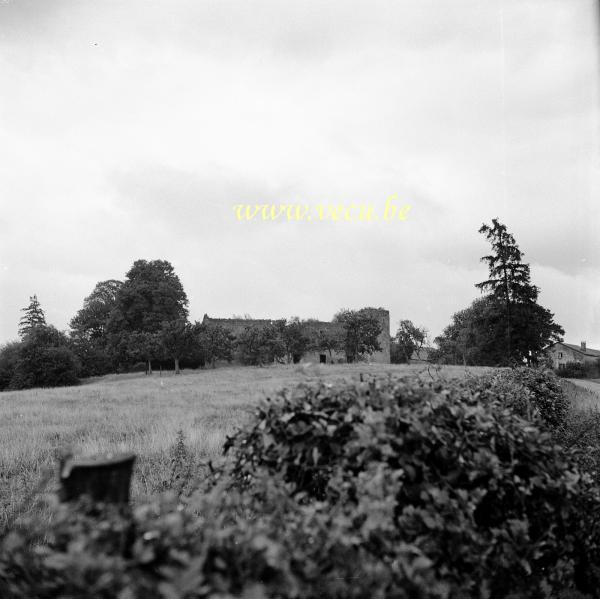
[130, 130]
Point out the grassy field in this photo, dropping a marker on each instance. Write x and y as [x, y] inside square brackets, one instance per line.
[141, 414]
[584, 394]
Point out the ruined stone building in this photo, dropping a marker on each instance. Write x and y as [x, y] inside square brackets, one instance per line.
[313, 328]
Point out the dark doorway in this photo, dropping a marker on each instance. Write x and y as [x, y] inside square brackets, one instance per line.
[322, 359]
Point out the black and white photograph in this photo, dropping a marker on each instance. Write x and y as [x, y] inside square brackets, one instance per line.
[299, 299]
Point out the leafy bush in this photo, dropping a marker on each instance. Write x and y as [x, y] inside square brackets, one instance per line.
[580, 432]
[94, 360]
[580, 370]
[388, 488]
[9, 358]
[529, 392]
[183, 470]
[473, 487]
[42, 359]
[572, 370]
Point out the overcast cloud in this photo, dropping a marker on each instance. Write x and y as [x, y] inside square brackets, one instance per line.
[130, 130]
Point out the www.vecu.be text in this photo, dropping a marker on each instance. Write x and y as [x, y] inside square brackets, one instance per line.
[392, 211]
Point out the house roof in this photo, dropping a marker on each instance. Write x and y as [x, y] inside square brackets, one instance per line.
[588, 351]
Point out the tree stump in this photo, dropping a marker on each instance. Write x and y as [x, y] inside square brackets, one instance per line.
[103, 478]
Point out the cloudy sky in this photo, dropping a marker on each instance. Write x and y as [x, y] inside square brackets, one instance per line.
[131, 129]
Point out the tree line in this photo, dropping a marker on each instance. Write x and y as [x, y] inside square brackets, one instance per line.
[144, 320]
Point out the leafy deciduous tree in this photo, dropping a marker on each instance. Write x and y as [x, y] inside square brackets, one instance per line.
[44, 360]
[9, 358]
[175, 339]
[89, 336]
[141, 346]
[472, 336]
[151, 294]
[328, 341]
[214, 341]
[410, 339]
[258, 345]
[295, 340]
[361, 333]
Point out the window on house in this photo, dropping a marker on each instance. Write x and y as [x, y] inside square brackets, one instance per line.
[560, 354]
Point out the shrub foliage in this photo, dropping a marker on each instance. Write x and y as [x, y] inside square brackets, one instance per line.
[530, 392]
[580, 370]
[42, 359]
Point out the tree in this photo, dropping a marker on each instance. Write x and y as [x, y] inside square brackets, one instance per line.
[329, 341]
[34, 317]
[175, 339]
[9, 358]
[295, 340]
[533, 330]
[92, 320]
[215, 342]
[472, 336]
[258, 345]
[141, 346]
[251, 346]
[272, 340]
[44, 360]
[409, 339]
[361, 333]
[89, 329]
[528, 326]
[150, 295]
[509, 279]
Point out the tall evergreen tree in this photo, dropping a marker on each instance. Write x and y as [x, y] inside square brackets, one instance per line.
[527, 325]
[509, 279]
[34, 317]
